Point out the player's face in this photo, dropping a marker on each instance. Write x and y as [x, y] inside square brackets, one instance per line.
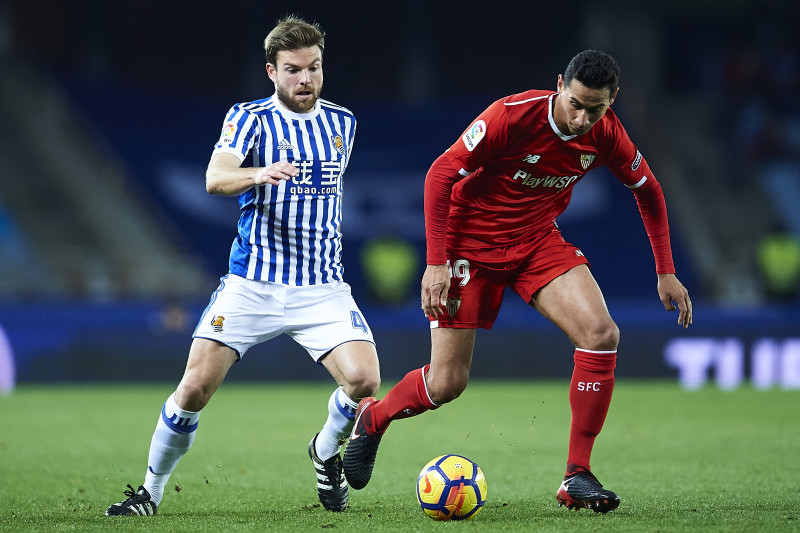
[297, 77]
[579, 107]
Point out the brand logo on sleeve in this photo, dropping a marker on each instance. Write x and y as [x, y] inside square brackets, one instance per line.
[227, 132]
[474, 134]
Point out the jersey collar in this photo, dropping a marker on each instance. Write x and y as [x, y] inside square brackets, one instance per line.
[552, 121]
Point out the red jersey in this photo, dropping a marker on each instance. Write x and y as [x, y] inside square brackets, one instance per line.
[518, 171]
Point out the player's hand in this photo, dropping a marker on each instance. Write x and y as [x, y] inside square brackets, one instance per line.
[671, 290]
[435, 286]
[275, 173]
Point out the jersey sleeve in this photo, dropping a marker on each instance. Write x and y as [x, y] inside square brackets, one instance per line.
[351, 138]
[631, 168]
[481, 141]
[438, 187]
[239, 132]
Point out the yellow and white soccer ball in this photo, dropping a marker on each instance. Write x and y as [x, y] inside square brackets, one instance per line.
[451, 487]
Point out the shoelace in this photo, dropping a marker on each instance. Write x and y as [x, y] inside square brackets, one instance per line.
[131, 493]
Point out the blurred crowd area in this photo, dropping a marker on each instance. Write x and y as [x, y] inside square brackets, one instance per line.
[746, 59]
[113, 109]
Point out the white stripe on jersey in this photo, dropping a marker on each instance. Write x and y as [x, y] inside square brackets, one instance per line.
[638, 183]
[528, 100]
[290, 233]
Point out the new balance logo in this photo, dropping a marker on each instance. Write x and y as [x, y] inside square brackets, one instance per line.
[531, 158]
[284, 145]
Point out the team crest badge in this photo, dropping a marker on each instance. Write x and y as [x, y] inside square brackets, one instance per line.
[216, 323]
[452, 306]
[586, 160]
[338, 143]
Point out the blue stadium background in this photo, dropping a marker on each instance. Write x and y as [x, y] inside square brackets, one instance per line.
[150, 82]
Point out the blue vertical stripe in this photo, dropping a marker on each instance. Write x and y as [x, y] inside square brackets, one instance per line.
[275, 155]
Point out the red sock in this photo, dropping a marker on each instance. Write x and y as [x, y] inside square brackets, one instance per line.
[589, 397]
[408, 398]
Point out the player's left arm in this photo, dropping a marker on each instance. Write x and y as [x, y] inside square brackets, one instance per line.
[670, 290]
[653, 209]
[631, 168]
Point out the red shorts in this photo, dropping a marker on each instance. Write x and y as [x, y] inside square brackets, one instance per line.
[479, 277]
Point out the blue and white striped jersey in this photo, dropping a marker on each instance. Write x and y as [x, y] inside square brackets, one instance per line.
[290, 233]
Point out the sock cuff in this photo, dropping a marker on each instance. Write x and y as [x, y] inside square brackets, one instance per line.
[595, 361]
[344, 404]
[422, 388]
[178, 419]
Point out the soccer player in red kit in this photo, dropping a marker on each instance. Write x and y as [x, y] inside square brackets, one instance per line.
[491, 202]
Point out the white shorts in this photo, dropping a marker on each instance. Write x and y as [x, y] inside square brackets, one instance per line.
[244, 312]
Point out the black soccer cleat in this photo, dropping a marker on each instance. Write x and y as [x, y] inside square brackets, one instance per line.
[138, 502]
[359, 456]
[331, 484]
[582, 490]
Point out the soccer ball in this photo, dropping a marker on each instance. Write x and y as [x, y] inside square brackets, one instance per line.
[451, 487]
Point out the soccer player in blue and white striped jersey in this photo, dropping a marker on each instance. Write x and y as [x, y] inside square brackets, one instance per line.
[284, 157]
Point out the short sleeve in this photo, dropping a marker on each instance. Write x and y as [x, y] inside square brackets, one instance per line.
[239, 132]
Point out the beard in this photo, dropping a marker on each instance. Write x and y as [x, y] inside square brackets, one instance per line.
[296, 105]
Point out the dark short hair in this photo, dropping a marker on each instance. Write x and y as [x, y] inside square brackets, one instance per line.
[594, 69]
[293, 33]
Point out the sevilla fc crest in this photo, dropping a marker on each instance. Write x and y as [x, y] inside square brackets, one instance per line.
[586, 160]
[453, 305]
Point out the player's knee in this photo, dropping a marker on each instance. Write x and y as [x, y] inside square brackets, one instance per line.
[442, 391]
[603, 336]
[363, 384]
[192, 396]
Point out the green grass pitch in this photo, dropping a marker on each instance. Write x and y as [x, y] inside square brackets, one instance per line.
[707, 460]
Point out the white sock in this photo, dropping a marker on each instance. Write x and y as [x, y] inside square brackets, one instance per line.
[172, 438]
[341, 417]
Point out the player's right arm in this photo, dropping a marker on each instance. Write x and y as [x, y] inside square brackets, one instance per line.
[436, 280]
[478, 144]
[435, 286]
[226, 177]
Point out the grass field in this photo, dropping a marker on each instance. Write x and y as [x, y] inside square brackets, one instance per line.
[706, 460]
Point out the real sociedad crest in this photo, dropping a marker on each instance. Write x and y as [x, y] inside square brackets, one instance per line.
[586, 160]
[217, 323]
[338, 143]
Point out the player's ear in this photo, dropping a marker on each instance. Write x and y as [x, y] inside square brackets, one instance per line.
[613, 97]
[271, 71]
[560, 83]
